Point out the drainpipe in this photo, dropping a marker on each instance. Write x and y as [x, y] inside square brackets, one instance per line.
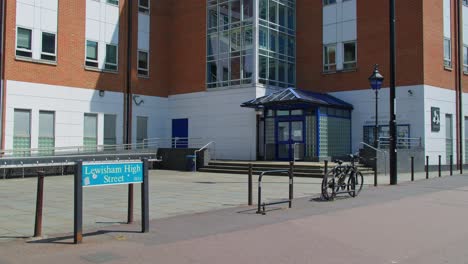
[2, 75]
[459, 83]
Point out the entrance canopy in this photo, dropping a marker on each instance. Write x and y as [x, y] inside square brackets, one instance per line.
[296, 98]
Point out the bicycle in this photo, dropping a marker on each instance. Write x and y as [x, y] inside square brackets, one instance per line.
[342, 179]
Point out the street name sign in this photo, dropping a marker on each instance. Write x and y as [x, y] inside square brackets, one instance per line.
[111, 173]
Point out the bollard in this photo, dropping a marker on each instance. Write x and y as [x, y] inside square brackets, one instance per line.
[130, 204]
[250, 202]
[451, 165]
[291, 182]
[440, 162]
[39, 204]
[412, 169]
[427, 167]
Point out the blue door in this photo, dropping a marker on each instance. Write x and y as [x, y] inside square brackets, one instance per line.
[180, 133]
[288, 132]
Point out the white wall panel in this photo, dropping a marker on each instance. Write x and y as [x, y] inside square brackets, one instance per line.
[69, 105]
[143, 31]
[48, 20]
[25, 15]
[92, 30]
[217, 116]
[156, 109]
[93, 10]
[49, 4]
[349, 10]
[447, 20]
[329, 14]
[329, 34]
[349, 31]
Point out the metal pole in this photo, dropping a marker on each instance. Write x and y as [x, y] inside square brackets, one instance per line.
[259, 193]
[440, 170]
[130, 204]
[376, 133]
[39, 204]
[451, 165]
[145, 198]
[78, 204]
[412, 168]
[291, 182]
[128, 99]
[427, 167]
[392, 124]
[250, 198]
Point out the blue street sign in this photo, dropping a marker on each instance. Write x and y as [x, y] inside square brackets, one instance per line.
[98, 174]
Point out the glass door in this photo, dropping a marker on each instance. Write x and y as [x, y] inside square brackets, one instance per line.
[283, 140]
[288, 134]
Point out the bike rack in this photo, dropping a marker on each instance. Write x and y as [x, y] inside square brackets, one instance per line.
[261, 206]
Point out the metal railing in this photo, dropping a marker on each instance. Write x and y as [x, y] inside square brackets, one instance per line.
[203, 148]
[175, 142]
[381, 151]
[401, 143]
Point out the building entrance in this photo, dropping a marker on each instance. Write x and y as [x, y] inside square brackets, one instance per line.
[289, 135]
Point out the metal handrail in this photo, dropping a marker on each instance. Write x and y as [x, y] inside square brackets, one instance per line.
[381, 151]
[260, 205]
[205, 147]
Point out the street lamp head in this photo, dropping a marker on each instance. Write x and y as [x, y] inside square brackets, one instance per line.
[376, 79]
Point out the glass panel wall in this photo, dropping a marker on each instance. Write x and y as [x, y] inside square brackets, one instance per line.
[277, 42]
[22, 132]
[46, 140]
[90, 132]
[229, 43]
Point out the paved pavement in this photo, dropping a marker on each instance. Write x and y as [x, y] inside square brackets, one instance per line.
[420, 222]
[171, 193]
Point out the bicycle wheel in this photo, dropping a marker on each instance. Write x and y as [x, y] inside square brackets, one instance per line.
[328, 185]
[355, 176]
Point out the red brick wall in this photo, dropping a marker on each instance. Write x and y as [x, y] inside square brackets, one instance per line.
[70, 70]
[372, 43]
[188, 46]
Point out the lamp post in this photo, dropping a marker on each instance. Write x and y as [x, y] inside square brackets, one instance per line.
[376, 79]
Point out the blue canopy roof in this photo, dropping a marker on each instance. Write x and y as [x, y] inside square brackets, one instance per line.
[296, 97]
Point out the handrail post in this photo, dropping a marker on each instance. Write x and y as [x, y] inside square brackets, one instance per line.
[291, 182]
[427, 167]
[440, 169]
[250, 202]
[412, 168]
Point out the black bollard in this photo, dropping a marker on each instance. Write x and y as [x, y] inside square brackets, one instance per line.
[440, 164]
[39, 204]
[451, 165]
[250, 199]
[412, 168]
[427, 167]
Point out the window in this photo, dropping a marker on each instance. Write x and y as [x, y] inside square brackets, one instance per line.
[22, 132]
[447, 52]
[143, 63]
[329, 2]
[113, 2]
[23, 42]
[465, 2]
[349, 61]
[46, 140]
[91, 53]
[111, 57]
[48, 46]
[142, 131]
[144, 6]
[329, 59]
[90, 132]
[110, 138]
